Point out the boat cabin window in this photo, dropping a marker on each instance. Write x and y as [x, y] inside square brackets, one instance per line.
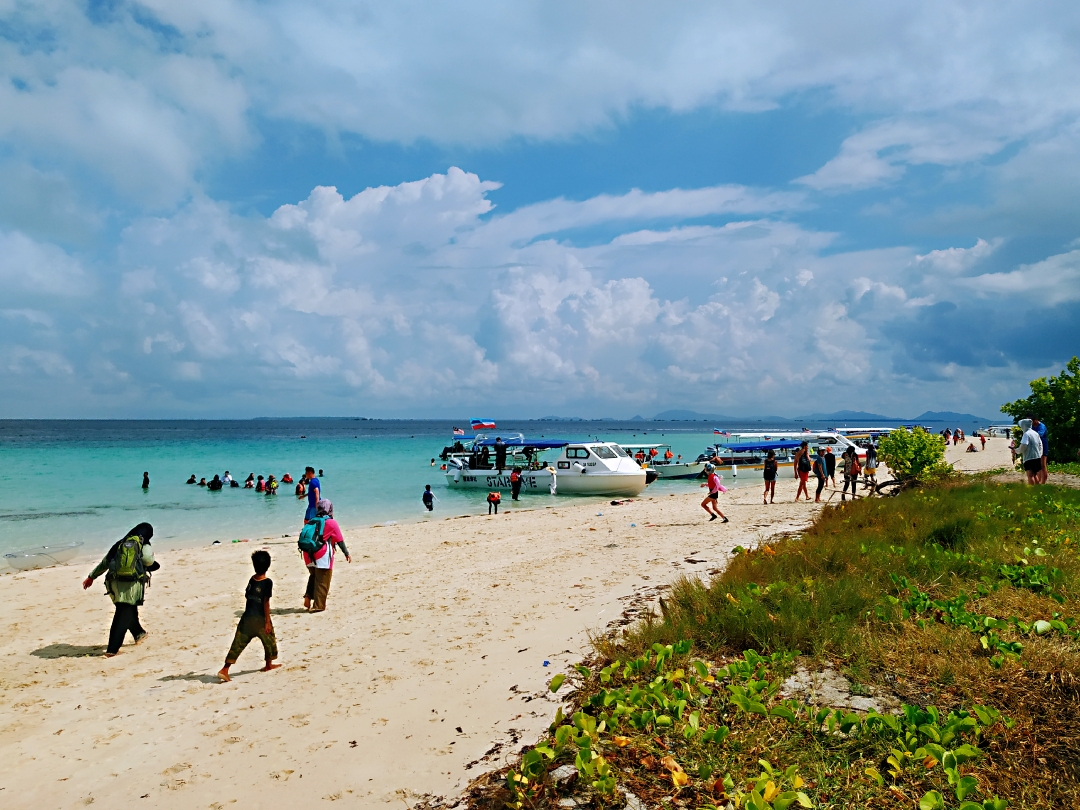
[604, 452]
[621, 452]
[577, 452]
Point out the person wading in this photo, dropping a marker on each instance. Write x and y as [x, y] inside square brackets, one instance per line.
[314, 493]
[127, 567]
[515, 483]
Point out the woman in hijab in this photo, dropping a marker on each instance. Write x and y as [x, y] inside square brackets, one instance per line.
[321, 564]
[127, 567]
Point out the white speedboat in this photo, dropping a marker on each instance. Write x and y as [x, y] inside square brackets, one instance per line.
[580, 468]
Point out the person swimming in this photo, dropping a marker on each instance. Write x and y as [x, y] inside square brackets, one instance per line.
[202, 482]
[192, 479]
[215, 485]
[286, 479]
[260, 485]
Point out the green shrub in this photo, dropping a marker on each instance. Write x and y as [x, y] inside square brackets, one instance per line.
[913, 454]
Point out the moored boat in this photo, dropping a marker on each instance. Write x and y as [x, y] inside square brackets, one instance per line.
[581, 468]
[27, 559]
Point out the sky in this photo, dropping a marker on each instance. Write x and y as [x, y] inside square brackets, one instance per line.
[231, 208]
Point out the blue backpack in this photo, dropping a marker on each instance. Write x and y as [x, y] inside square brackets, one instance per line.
[311, 536]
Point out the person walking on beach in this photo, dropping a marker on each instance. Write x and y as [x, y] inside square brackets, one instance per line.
[146, 480]
[428, 497]
[851, 472]
[871, 466]
[127, 567]
[711, 504]
[830, 466]
[515, 483]
[802, 469]
[320, 563]
[1030, 452]
[821, 473]
[1040, 427]
[314, 493]
[769, 473]
[255, 620]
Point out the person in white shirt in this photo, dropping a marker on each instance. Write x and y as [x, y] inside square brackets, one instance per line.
[1030, 451]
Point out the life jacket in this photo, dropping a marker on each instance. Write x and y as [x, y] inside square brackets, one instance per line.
[515, 476]
[494, 497]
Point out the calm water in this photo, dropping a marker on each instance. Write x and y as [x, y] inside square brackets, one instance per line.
[81, 480]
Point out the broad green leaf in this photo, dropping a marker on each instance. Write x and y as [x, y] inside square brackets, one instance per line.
[556, 682]
[966, 785]
[783, 711]
[1042, 626]
[932, 800]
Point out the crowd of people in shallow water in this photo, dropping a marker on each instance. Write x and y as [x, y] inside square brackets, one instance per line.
[267, 485]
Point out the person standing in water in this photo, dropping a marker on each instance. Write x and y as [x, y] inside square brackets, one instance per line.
[314, 493]
[428, 497]
[127, 567]
[515, 483]
[769, 473]
[146, 480]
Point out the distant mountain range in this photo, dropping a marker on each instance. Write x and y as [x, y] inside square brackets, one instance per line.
[948, 417]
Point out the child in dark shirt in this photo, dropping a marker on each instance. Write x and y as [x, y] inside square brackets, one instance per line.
[255, 623]
[428, 497]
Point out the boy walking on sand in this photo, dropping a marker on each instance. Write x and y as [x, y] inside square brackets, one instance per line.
[255, 622]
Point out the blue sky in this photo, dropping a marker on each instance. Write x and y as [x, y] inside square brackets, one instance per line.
[237, 208]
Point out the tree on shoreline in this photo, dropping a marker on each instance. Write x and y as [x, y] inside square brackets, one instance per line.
[1055, 401]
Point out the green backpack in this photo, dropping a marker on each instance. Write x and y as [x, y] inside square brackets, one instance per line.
[311, 536]
[127, 563]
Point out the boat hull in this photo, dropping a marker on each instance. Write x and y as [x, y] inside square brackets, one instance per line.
[28, 559]
[622, 484]
[676, 471]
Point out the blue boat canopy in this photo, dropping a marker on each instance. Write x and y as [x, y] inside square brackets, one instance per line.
[753, 447]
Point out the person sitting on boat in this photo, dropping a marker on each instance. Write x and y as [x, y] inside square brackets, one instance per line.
[668, 455]
[485, 459]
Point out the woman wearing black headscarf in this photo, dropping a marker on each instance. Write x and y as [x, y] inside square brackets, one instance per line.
[127, 567]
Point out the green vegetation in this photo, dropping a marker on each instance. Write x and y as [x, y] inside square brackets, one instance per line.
[915, 454]
[1072, 468]
[960, 600]
[1056, 401]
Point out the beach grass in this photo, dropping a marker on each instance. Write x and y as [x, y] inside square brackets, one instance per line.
[959, 602]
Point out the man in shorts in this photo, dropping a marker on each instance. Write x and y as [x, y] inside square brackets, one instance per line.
[1031, 452]
[1040, 427]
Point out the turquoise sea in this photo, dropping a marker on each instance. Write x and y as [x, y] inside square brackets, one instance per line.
[81, 480]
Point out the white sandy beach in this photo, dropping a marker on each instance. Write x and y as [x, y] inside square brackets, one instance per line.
[430, 656]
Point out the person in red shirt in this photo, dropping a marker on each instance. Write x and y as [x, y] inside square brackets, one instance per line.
[320, 565]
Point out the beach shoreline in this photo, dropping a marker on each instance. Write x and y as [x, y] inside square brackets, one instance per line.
[427, 669]
[435, 626]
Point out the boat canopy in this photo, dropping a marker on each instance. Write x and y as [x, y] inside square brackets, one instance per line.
[754, 447]
[521, 441]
